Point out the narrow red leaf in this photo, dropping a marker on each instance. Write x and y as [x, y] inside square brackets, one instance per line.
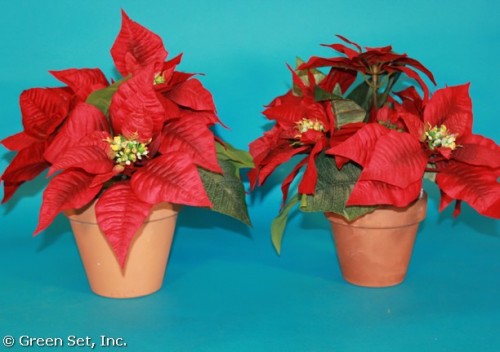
[309, 179]
[136, 47]
[170, 178]
[278, 156]
[68, 190]
[285, 186]
[193, 95]
[120, 214]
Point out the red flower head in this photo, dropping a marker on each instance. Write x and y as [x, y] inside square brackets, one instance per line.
[304, 125]
[372, 62]
[434, 137]
[135, 143]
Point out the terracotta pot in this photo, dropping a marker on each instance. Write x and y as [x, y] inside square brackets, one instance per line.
[375, 249]
[145, 268]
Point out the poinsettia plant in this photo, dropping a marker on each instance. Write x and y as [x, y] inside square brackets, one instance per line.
[137, 142]
[359, 142]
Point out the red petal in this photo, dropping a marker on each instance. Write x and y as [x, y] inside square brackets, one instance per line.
[193, 95]
[278, 156]
[91, 158]
[414, 124]
[43, 110]
[360, 146]
[412, 74]
[82, 81]
[445, 201]
[349, 42]
[120, 214]
[380, 193]
[136, 47]
[285, 186]
[263, 146]
[9, 188]
[171, 109]
[344, 78]
[341, 48]
[68, 190]
[193, 138]
[451, 107]
[398, 159]
[310, 178]
[337, 62]
[18, 141]
[478, 150]
[135, 108]
[170, 178]
[476, 185]
[83, 119]
[26, 165]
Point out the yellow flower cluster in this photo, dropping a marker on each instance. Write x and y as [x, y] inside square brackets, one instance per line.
[440, 137]
[127, 152]
[306, 124]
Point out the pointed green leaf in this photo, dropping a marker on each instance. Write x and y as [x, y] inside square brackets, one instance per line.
[362, 95]
[347, 111]
[101, 98]
[239, 158]
[333, 189]
[226, 192]
[322, 95]
[279, 223]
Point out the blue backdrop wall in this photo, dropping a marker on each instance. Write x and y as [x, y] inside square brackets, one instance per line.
[253, 296]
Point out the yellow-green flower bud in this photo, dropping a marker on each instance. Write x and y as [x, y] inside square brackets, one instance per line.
[440, 137]
[127, 151]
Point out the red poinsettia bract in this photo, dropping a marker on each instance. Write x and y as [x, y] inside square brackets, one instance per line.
[133, 144]
[303, 126]
[416, 137]
[373, 62]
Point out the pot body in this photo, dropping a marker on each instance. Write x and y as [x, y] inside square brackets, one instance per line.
[147, 259]
[375, 249]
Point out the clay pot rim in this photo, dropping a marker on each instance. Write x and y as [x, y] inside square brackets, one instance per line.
[156, 213]
[418, 207]
[71, 218]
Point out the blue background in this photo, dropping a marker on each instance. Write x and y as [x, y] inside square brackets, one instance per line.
[225, 288]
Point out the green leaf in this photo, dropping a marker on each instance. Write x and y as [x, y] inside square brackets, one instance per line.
[279, 223]
[333, 189]
[240, 158]
[347, 111]
[101, 98]
[226, 192]
[322, 95]
[362, 95]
